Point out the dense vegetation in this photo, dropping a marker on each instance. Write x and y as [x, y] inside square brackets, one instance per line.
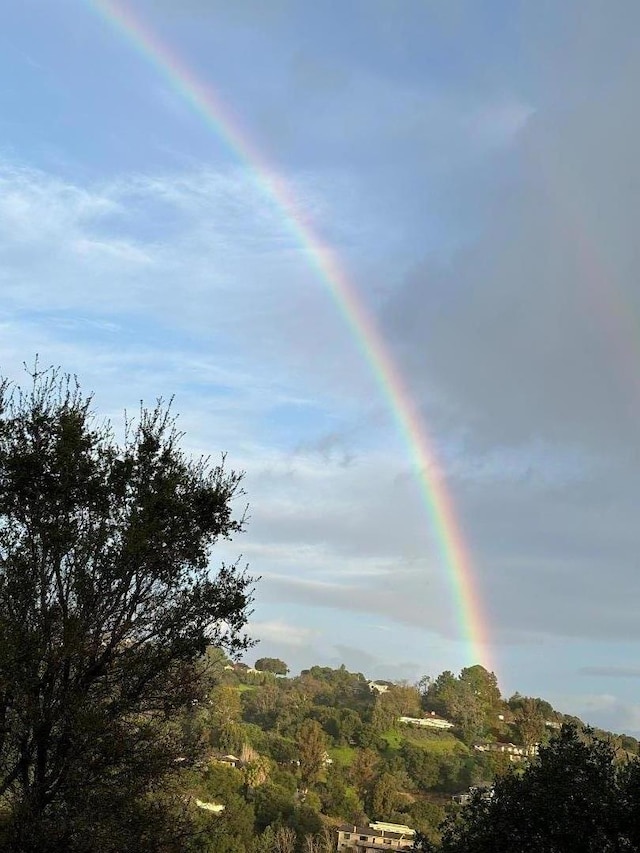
[577, 797]
[324, 748]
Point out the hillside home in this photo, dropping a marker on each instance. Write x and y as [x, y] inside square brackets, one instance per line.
[379, 686]
[381, 836]
[229, 760]
[465, 799]
[431, 721]
[515, 753]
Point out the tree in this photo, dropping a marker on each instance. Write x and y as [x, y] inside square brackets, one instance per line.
[439, 694]
[423, 766]
[275, 665]
[484, 685]
[382, 716]
[350, 725]
[312, 746]
[225, 729]
[256, 768]
[363, 771]
[468, 712]
[573, 799]
[529, 722]
[400, 700]
[471, 701]
[285, 840]
[405, 699]
[107, 605]
[338, 798]
[385, 796]
[426, 817]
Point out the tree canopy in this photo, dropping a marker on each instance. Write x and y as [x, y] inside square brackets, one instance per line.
[275, 665]
[107, 604]
[576, 798]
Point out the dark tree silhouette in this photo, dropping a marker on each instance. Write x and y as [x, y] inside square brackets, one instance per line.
[577, 797]
[107, 604]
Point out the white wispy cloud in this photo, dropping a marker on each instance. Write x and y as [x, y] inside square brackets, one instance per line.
[281, 633]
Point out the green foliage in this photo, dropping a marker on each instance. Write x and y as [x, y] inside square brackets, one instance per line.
[107, 605]
[312, 748]
[529, 721]
[283, 750]
[629, 743]
[369, 738]
[402, 774]
[224, 719]
[574, 799]
[337, 687]
[339, 798]
[423, 766]
[274, 805]
[364, 770]
[426, 817]
[399, 700]
[472, 701]
[389, 778]
[274, 665]
[343, 755]
[384, 796]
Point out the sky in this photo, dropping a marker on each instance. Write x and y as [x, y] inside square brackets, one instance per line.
[473, 169]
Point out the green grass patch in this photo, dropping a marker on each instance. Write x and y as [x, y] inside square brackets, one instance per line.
[244, 688]
[393, 738]
[439, 743]
[342, 755]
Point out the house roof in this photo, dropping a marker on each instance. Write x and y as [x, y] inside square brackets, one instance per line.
[372, 833]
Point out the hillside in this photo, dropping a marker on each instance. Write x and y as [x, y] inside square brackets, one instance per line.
[326, 747]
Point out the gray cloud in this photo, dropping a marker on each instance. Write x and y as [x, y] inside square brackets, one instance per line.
[414, 598]
[611, 671]
[524, 347]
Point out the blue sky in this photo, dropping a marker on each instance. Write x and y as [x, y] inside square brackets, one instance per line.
[474, 167]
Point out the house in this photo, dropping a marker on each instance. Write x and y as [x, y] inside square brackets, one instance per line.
[431, 721]
[393, 827]
[465, 799]
[215, 808]
[379, 686]
[381, 836]
[515, 753]
[462, 799]
[229, 760]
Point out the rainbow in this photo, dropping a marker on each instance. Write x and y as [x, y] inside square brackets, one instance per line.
[207, 104]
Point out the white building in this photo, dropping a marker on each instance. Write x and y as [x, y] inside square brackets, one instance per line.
[379, 686]
[432, 721]
[381, 836]
[515, 753]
